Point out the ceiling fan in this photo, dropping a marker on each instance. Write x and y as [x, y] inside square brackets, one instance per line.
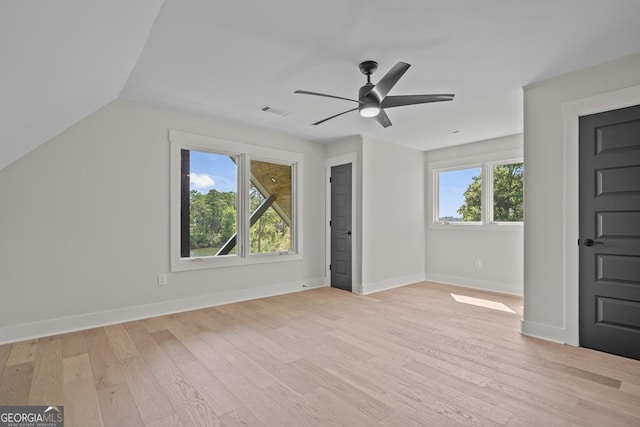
[373, 98]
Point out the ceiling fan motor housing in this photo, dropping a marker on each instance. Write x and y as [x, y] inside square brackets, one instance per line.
[366, 92]
[369, 103]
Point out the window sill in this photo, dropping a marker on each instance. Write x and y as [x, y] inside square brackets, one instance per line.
[478, 226]
[203, 263]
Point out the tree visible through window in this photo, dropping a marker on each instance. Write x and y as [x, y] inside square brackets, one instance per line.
[460, 193]
[508, 192]
[211, 204]
[230, 206]
[270, 200]
[471, 209]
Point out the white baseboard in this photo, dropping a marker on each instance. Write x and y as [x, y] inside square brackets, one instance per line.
[26, 331]
[485, 285]
[369, 288]
[543, 331]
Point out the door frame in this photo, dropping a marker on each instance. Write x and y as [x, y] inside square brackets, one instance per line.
[352, 158]
[571, 112]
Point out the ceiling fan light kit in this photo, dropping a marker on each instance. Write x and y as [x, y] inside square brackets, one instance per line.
[373, 98]
[370, 109]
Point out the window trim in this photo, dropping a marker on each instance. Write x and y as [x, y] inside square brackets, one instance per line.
[179, 140]
[486, 161]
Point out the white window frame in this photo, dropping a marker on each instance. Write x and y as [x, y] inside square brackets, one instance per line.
[178, 141]
[486, 162]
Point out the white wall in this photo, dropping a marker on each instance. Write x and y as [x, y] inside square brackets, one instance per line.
[392, 215]
[390, 206]
[451, 252]
[84, 226]
[352, 144]
[550, 210]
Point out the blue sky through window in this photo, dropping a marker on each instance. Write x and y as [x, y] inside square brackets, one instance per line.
[451, 188]
[209, 170]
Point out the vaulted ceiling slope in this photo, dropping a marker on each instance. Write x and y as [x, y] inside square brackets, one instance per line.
[61, 61]
[64, 59]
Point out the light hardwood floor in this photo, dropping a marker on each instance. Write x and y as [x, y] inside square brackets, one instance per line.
[411, 356]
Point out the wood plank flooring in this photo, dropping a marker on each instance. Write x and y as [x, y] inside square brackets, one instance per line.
[412, 356]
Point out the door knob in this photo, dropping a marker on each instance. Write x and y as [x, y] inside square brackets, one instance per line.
[591, 242]
[347, 233]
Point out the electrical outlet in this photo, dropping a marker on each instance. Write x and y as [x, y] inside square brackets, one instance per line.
[478, 263]
[162, 279]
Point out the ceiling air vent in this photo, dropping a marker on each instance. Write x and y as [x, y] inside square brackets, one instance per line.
[274, 110]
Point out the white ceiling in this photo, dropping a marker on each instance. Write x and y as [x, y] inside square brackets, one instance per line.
[64, 59]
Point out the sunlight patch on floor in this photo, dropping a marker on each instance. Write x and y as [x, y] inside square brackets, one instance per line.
[494, 305]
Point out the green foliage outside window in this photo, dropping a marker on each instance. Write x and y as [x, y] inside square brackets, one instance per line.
[471, 210]
[508, 195]
[213, 221]
[270, 233]
[508, 192]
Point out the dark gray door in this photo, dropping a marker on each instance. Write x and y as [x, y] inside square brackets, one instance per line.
[610, 232]
[341, 227]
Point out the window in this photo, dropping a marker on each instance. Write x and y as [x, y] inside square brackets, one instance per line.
[463, 194]
[460, 195]
[508, 192]
[209, 204]
[232, 203]
[270, 201]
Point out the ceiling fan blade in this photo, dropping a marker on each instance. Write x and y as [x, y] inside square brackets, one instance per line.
[383, 119]
[329, 118]
[389, 80]
[306, 92]
[399, 101]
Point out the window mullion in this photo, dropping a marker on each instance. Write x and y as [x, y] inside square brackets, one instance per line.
[184, 203]
[436, 197]
[488, 199]
[293, 229]
[243, 201]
